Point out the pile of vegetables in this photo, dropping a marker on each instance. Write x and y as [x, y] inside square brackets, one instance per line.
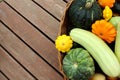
[95, 28]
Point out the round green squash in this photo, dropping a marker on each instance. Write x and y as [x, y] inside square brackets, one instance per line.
[78, 64]
[82, 13]
[116, 7]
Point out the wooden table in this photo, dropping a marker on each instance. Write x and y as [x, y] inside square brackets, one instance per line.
[28, 29]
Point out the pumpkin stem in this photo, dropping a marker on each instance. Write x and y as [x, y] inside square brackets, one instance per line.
[89, 3]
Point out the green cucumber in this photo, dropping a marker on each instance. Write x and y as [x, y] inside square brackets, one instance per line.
[100, 51]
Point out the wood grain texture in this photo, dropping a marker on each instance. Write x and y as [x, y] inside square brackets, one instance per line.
[28, 29]
[55, 7]
[2, 77]
[30, 35]
[11, 68]
[44, 21]
[26, 56]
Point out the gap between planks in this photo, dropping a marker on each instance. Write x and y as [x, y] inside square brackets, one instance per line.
[12, 68]
[3, 76]
[18, 25]
[31, 61]
[36, 16]
[53, 7]
[30, 22]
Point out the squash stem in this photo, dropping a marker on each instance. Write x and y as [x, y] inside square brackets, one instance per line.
[89, 3]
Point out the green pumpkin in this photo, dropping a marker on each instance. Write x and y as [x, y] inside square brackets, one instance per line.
[116, 7]
[78, 64]
[82, 13]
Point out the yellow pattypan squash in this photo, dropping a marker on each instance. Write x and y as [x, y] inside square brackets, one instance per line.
[63, 43]
[107, 13]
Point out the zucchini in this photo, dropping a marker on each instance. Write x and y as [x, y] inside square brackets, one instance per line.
[100, 51]
[117, 43]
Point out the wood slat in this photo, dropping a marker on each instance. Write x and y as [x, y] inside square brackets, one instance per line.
[26, 56]
[55, 7]
[2, 77]
[29, 34]
[37, 16]
[11, 68]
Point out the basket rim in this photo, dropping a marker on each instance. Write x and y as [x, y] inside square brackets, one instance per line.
[62, 23]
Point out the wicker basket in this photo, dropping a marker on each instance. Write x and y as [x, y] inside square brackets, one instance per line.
[63, 30]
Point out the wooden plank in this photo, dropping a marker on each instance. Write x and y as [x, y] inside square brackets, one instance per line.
[55, 7]
[29, 34]
[11, 68]
[26, 56]
[37, 16]
[2, 77]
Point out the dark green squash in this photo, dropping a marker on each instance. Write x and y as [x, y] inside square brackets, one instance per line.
[82, 13]
[116, 7]
[78, 64]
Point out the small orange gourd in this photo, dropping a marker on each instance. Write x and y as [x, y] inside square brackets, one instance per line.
[105, 30]
[104, 3]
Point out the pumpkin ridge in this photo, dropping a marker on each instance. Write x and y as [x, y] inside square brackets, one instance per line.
[83, 17]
